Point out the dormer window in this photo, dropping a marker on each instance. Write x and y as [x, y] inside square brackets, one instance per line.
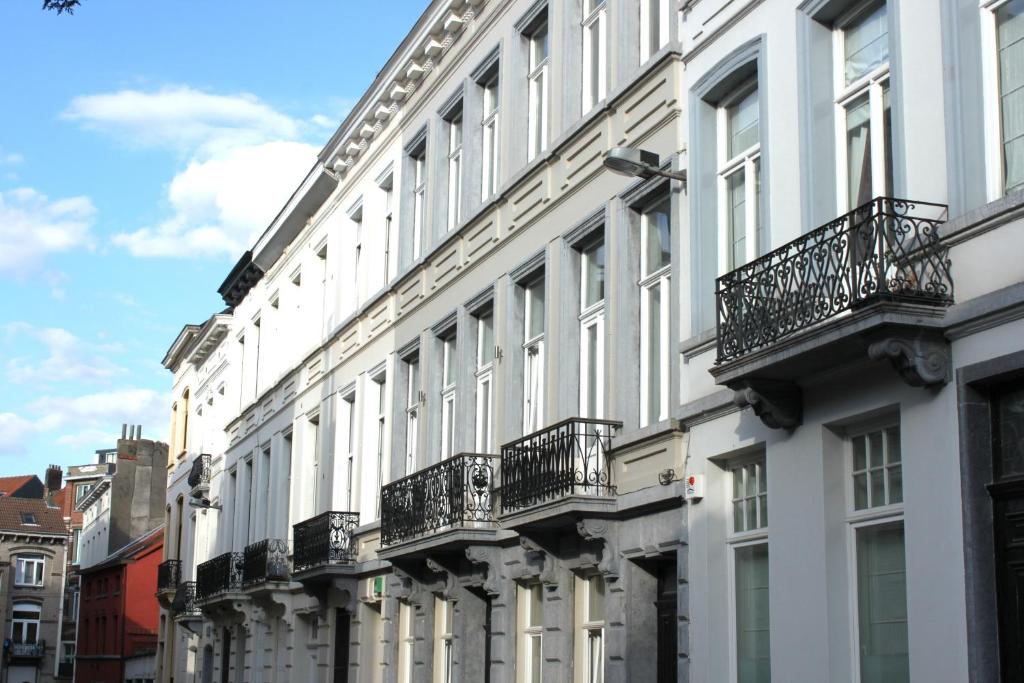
[28, 518]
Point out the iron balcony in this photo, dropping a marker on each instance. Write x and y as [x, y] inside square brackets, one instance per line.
[454, 493]
[325, 540]
[199, 475]
[222, 574]
[168, 575]
[185, 602]
[265, 561]
[568, 458]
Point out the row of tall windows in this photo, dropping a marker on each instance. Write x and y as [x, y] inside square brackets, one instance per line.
[874, 520]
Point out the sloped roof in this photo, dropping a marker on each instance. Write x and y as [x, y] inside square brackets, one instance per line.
[48, 520]
[9, 486]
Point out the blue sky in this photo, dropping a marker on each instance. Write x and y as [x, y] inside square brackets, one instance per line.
[142, 147]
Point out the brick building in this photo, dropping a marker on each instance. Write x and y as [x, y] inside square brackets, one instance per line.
[118, 615]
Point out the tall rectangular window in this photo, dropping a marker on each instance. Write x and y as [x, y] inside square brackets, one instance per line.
[412, 413]
[313, 434]
[590, 630]
[1004, 26]
[406, 642]
[448, 375]
[454, 168]
[655, 275]
[863, 110]
[444, 619]
[348, 422]
[592, 295]
[533, 356]
[876, 522]
[484, 381]
[530, 601]
[595, 48]
[739, 178]
[537, 118]
[654, 24]
[748, 540]
[388, 187]
[489, 165]
[381, 386]
[419, 199]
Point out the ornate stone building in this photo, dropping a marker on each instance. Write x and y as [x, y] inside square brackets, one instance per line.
[492, 411]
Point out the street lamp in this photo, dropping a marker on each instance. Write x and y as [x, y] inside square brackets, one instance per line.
[639, 163]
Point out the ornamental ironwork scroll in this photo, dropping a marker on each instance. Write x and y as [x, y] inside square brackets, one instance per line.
[885, 250]
[185, 599]
[567, 458]
[453, 493]
[221, 574]
[265, 560]
[199, 475]
[325, 540]
[168, 575]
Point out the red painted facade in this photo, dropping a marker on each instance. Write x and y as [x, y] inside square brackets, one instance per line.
[118, 615]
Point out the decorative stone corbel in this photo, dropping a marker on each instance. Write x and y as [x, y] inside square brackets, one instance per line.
[779, 404]
[923, 360]
[539, 564]
[600, 531]
[486, 562]
[403, 586]
[448, 580]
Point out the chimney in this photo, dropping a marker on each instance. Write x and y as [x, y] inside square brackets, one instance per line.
[124, 430]
[54, 478]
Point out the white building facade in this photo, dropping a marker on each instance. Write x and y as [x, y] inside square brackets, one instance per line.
[488, 411]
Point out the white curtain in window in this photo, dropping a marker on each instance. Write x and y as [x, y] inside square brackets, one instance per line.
[753, 662]
[882, 604]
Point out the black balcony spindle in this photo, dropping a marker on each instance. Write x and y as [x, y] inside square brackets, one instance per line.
[168, 575]
[199, 475]
[455, 492]
[881, 251]
[325, 540]
[265, 560]
[184, 603]
[567, 458]
[219, 575]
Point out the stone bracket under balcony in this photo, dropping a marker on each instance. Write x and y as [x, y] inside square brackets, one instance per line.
[872, 286]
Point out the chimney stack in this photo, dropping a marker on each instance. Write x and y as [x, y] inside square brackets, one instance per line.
[54, 478]
[124, 430]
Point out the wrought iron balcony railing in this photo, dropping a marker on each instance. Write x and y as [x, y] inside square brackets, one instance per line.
[884, 250]
[199, 476]
[325, 540]
[219, 575]
[265, 560]
[168, 575]
[33, 650]
[567, 458]
[455, 492]
[184, 603]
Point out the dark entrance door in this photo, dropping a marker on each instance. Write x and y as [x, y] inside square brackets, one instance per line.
[668, 623]
[342, 621]
[1007, 490]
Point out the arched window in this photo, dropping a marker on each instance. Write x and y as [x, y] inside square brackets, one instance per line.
[25, 623]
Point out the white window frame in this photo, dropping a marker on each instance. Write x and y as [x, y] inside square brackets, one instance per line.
[419, 193]
[530, 636]
[489, 126]
[591, 318]
[24, 623]
[444, 623]
[388, 188]
[881, 515]
[538, 78]
[406, 641]
[649, 48]
[31, 566]
[533, 361]
[350, 440]
[448, 381]
[412, 413]
[381, 437]
[736, 540]
[872, 84]
[660, 279]
[484, 387]
[588, 630]
[595, 12]
[995, 175]
[747, 162]
[313, 424]
[455, 130]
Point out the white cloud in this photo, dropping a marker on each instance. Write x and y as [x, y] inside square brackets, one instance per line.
[222, 204]
[86, 422]
[10, 158]
[33, 227]
[61, 357]
[183, 119]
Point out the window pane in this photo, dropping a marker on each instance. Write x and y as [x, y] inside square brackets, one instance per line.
[860, 491]
[654, 369]
[594, 74]
[877, 488]
[736, 189]
[895, 484]
[593, 289]
[539, 46]
[742, 122]
[875, 443]
[485, 343]
[654, 24]
[859, 456]
[866, 44]
[658, 229]
[753, 663]
[762, 246]
[763, 502]
[1010, 23]
[535, 659]
[536, 606]
[595, 667]
[887, 138]
[592, 370]
[738, 518]
[595, 606]
[882, 604]
[858, 151]
[535, 302]
[1008, 432]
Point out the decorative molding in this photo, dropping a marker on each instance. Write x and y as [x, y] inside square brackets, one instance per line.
[923, 360]
[601, 531]
[779, 404]
[486, 563]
